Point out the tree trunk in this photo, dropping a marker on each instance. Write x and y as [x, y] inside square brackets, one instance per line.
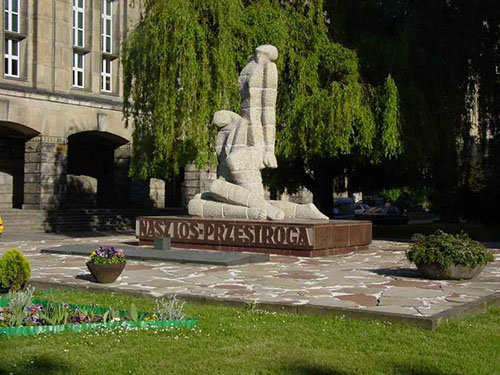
[323, 188]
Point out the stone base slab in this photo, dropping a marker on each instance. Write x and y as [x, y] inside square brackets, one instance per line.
[291, 237]
[178, 256]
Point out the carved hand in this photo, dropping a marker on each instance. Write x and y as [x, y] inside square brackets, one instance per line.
[270, 160]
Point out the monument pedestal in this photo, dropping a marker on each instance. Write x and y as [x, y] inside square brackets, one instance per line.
[289, 237]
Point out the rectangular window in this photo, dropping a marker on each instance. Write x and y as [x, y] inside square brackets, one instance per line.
[78, 22]
[11, 15]
[106, 26]
[106, 75]
[11, 58]
[78, 69]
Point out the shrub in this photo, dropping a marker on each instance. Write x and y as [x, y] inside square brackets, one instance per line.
[446, 249]
[15, 269]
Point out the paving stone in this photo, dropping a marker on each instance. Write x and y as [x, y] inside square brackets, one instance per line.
[411, 292]
[398, 301]
[461, 300]
[360, 299]
[331, 302]
[412, 283]
[357, 290]
[394, 309]
[166, 283]
[352, 281]
[469, 291]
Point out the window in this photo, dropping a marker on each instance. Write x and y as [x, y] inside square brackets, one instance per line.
[106, 26]
[11, 20]
[11, 58]
[78, 22]
[78, 69]
[106, 75]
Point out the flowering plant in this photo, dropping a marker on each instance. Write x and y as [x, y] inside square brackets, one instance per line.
[106, 255]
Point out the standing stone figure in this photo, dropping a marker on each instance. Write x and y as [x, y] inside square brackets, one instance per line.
[245, 146]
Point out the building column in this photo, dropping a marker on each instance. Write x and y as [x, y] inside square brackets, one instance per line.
[121, 181]
[45, 165]
[197, 181]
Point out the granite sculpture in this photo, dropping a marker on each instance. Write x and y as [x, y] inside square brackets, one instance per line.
[245, 146]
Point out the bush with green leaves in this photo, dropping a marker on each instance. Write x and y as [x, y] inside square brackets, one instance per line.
[15, 269]
[446, 249]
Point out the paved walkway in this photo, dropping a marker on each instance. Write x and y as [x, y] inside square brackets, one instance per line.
[379, 279]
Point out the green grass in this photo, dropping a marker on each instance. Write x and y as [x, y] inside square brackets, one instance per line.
[236, 341]
[477, 232]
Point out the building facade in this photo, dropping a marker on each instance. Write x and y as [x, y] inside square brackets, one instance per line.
[62, 136]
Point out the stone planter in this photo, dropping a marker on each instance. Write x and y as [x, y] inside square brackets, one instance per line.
[454, 272]
[106, 273]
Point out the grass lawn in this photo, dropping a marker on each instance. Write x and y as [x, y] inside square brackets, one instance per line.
[477, 232]
[236, 341]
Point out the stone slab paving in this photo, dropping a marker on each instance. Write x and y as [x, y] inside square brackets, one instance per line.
[376, 280]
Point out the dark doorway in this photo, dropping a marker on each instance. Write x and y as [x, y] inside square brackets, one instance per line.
[91, 153]
[12, 141]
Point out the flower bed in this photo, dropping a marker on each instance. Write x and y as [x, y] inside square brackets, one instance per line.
[41, 316]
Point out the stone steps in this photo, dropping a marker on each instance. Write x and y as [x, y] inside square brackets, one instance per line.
[24, 221]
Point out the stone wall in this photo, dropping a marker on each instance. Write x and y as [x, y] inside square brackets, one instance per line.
[6, 190]
[45, 172]
[196, 181]
[157, 192]
[81, 191]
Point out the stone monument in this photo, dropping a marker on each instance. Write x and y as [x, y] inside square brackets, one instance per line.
[245, 146]
[234, 215]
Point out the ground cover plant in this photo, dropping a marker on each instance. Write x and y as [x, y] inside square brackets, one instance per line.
[21, 314]
[244, 341]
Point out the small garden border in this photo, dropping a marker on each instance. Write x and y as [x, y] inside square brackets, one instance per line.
[47, 329]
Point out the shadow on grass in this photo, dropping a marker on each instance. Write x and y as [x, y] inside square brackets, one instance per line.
[398, 272]
[305, 369]
[39, 365]
[420, 370]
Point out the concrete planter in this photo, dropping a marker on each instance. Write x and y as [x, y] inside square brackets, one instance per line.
[106, 273]
[454, 272]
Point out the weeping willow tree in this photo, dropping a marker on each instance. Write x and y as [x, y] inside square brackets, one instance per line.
[181, 64]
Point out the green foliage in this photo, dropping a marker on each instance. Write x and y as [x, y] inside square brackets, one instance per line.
[448, 88]
[132, 313]
[447, 249]
[170, 308]
[18, 305]
[391, 195]
[55, 313]
[15, 269]
[181, 64]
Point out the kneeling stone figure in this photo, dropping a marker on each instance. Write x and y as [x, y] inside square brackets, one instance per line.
[245, 146]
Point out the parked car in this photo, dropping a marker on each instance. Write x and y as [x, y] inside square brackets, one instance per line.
[1, 226]
[384, 215]
[343, 209]
[361, 208]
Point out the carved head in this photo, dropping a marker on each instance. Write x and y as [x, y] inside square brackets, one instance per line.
[266, 53]
[224, 118]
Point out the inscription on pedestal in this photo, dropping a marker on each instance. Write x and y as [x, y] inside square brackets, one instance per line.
[226, 232]
[293, 237]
